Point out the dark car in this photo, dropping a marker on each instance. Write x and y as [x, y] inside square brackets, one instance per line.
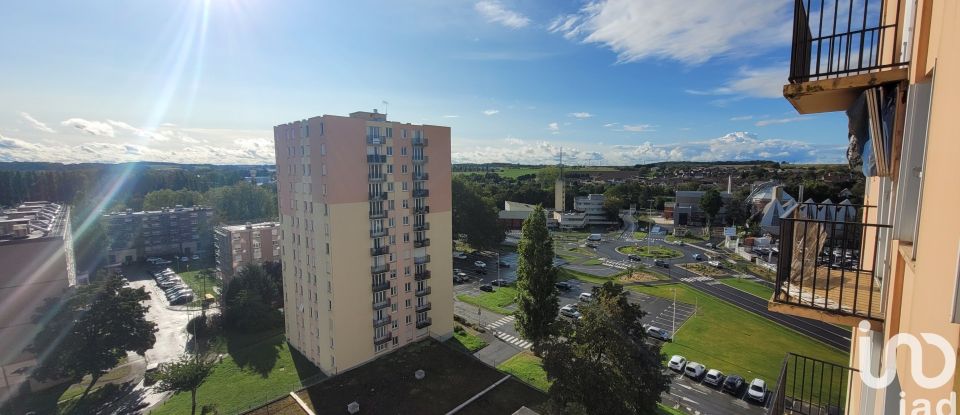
[481, 271]
[733, 385]
[486, 287]
[504, 265]
[564, 286]
[634, 257]
[661, 263]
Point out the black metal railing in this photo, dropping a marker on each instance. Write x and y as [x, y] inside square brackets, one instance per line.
[421, 193]
[421, 243]
[382, 322]
[828, 260]
[423, 307]
[376, 177]
[376, 140]
[378, 215]
[421, 226]
[424, 323]
[378, 196]
[419, 141]
[422, 210]
[421, 275]
[423, 292]
[377, 233]
[376, 158]
[380, 286]
[808, 386]
[379, 305]
[379, 269]
[383, 250]
[420, 159]
[382, 339]
[831, 39]
[421, 176]
[421, 259]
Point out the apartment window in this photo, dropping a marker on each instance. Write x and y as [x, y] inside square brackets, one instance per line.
[408, 320]
[323, 169]
[403, 186]
[381, 347]
[328, 247]
[405, 204]
[373, 131]
[907, 203]
[389, 150]
[393, 239]
[389, 169]
[406, 237]
[389, 131]
[393, 290]
[324, 189]
[330, 305]
[406, 270]
[325, 210]
[331, 342]
[393, 307]
[323, 148]
[403, 133]
[395, 324]
[391, 204]
[406, 287]
[406, 220]
[389, 186]
[403, 168]
[390, 223]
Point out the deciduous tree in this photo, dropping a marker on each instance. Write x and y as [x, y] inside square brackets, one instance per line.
[536, 278]
[186, 374]
[603, 364]
[711, 203]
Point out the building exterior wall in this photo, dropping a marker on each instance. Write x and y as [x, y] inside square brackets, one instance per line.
[325, 180]
[135, 236]
[241, 245]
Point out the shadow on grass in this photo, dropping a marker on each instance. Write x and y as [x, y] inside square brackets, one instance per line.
[255, 351]
[111, 398]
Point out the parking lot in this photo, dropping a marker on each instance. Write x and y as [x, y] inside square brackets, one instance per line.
[697, 397]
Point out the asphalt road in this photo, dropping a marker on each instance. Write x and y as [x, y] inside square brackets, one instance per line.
[826, 333]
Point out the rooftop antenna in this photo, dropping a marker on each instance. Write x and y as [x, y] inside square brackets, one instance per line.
[386, 108]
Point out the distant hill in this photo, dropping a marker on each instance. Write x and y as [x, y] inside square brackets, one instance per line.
[142, 165]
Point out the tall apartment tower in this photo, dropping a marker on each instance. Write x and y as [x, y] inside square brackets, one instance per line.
[560, 189]
[889, 268]
[364, 202]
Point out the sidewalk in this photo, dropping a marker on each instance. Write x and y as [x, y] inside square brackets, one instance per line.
[497, 350]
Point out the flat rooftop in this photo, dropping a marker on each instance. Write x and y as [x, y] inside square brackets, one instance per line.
[32, 220]
[177, 209]
[261, 225]
[388, 385]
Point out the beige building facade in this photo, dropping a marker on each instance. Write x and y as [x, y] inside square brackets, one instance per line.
[365, 235]
[890, 268]
[236, 246]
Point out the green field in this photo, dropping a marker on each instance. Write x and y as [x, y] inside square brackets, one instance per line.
[754, 269]
[639, 235]
[564, 274]
[728, 338]
[751, 287]
[467, 340]
[252, 375]
[199, 284]
[495, 301]
[651, 251]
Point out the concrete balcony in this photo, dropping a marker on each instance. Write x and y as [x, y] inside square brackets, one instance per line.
[421, 176]
[423, 307]
[423, 292]
[382, 322]
[418, 142]
[420, 160]
[376, 178]
[421, 226]
[379, 233]
[376, 158]
[378, 215]
[380, 305]
[421, 259]
[424, 323]
[383, 250]
[383, 339]
[380, 286]
[378, 196]
[421, 275]
[421, 193]
[379, 269]
[810, 386]
[421, 243]
[421, 210]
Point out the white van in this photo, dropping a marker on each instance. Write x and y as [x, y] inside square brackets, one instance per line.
[595, 237]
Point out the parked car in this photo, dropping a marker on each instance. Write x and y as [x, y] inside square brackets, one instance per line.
[658, 333]
[586, 297]
[486, 287]
[563, 286]
[499, 283]
[480, 271]
[715, 264]
[634, 257]
[758, 390]
[694, 370]
[184, 259]
[504, 265]
[709, 245]
[460, 277]
[457, 270]
[677, 363]
[570, 310]
[480, 264]
[698, 257]
[713, 377]
[661, 263]
[459, 255]
[186, 298]
[732, 385]
[594, 237]
[195, 257]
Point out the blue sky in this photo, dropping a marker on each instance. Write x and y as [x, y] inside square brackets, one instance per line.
[612, 81]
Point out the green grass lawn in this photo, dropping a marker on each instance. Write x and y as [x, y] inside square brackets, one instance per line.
[564, 274]
[725, 337]
[251, 375]
[639, 235]
[495, 301]
[688, 239]
[747, 267]
[705, 269]
[651, 251]
[751, 287]
[199, 284]
[467, 340]
[528, 368]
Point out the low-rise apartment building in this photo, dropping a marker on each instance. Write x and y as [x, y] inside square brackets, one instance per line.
[177, 231]
[687, 211]
[890, 269]
[236, 246]
[36, 253]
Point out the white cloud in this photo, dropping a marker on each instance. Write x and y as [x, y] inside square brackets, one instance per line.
[90, 127]
[451, 116]
[39, 125]
[733, 146]
[692, 33]
[764, 123]
[490, 112]
[638, 128]
[751, 82]
[612, 124]
[554, 128]
[139, 132]
[496, 12]
[581, 115]
[742, 118]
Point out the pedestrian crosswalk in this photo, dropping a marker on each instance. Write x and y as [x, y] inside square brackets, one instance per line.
[523, 344]
[500, 322]
[615, 264]
[697, 279]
